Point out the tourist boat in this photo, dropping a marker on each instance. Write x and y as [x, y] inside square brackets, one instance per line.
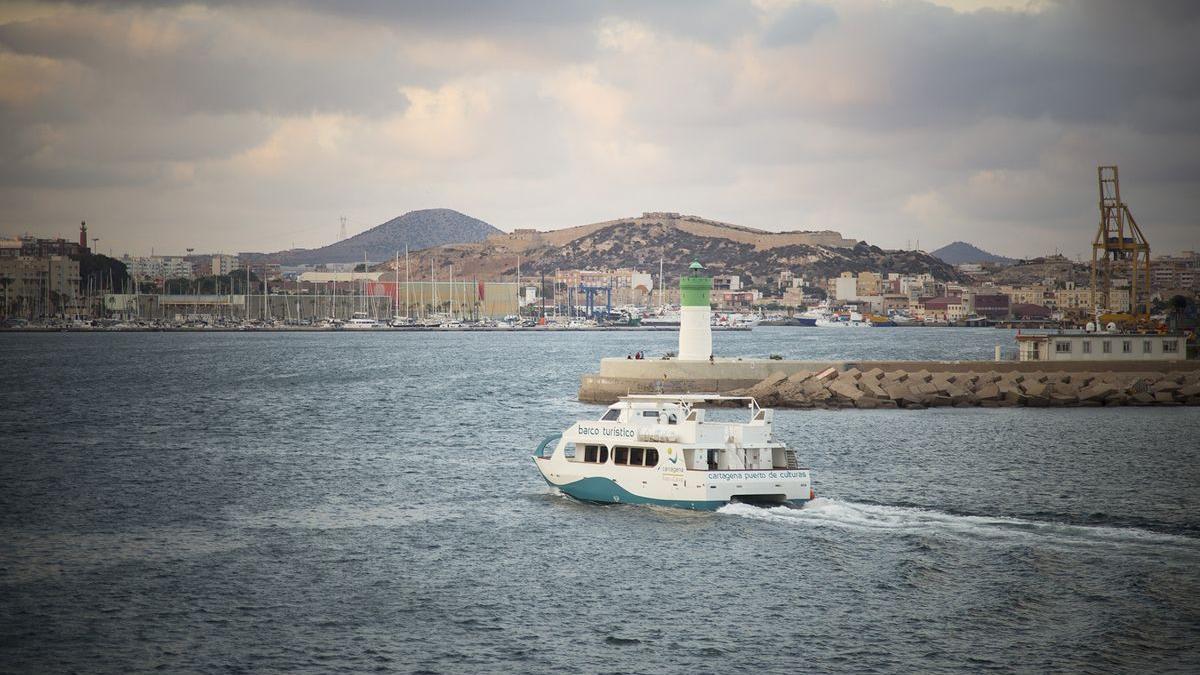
[658, 449]
[361, 321]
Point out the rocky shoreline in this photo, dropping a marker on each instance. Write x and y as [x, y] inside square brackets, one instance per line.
[878, 388]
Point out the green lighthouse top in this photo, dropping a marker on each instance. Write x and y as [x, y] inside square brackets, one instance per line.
[695, 288]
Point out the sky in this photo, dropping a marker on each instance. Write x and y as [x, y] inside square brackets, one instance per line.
[231, 126]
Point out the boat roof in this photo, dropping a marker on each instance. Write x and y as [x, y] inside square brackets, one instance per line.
[685, 398]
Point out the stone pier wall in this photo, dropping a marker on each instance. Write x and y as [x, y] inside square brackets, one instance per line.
[906, 384]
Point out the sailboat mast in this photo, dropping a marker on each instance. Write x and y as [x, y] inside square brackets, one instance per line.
[407, 304]
[662, 286]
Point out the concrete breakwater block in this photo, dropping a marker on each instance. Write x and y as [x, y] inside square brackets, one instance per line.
[904, 384]
[925, 389]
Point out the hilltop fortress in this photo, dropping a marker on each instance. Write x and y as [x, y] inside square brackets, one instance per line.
[521, 239]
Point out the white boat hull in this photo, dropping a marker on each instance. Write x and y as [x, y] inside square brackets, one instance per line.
[673, 486]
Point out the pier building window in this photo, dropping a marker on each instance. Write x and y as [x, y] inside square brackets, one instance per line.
[1087, 346]
[611, 416]
[1062, 347]
[1106, 346]
[1126, 346]
[1146, 347]
[1170, 347]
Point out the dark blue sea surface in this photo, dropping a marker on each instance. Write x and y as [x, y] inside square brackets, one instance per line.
[348, 502]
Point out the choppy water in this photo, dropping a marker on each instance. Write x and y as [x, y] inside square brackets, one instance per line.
[353, 502]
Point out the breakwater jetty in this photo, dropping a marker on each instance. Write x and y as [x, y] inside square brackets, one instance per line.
[905, 384]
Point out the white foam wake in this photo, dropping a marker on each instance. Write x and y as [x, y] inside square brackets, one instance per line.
[834, 513]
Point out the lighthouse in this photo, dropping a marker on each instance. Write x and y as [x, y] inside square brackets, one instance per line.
[695, 315]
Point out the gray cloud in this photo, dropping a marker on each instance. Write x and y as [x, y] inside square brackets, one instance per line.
[890, 121]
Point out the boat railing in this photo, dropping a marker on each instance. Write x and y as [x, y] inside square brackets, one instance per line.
[541, 448]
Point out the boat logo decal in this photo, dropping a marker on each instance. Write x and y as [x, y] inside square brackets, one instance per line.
[671, 456]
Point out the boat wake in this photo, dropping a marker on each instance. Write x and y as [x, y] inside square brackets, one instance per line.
[868, 518]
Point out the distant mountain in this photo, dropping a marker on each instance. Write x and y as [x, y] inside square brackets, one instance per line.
[757, 256]
[960, 253]
[418, 229]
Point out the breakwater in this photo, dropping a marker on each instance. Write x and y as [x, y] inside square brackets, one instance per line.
[906, 384]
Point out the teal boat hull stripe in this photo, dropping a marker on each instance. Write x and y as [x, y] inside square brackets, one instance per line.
[606, 491]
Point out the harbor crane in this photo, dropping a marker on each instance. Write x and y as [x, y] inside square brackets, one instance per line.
[1120, 252]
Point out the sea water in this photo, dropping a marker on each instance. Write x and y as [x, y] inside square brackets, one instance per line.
[345, 502]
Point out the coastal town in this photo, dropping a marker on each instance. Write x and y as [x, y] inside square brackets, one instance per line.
[60, 282]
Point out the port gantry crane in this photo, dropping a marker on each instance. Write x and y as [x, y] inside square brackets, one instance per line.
[1120, 250]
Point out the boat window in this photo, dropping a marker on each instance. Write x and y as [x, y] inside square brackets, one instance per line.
[651, 457]
[671, 419]
[569, 451]
[611, 415]
[604, 454]
[621, 455]
[589, 453]
[712, 459]
[649, 413]
[636, 455]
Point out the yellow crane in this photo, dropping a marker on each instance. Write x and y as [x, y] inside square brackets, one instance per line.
[1120, 252]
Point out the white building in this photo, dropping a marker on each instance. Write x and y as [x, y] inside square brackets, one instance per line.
[727, 282]
[1100, 347]
[343, 277]
[158, 267]
[225, 264]
[845, 287]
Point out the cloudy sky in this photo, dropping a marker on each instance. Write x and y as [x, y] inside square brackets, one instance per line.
[234, 126]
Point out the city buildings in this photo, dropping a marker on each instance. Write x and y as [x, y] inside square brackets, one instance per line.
[224, 264]
[158, 268]
[36, 286]
[1181, 272]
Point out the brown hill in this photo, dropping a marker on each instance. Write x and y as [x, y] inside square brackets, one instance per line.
[756, 255]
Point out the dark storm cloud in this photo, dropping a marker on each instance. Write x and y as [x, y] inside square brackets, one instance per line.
[1079, 61]
[555, 22]
[209, 66]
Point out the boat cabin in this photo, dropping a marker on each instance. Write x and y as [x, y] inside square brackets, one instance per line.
[645, 430]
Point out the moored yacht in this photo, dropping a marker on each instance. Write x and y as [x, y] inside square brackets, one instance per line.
[659, 449]
[360, 320]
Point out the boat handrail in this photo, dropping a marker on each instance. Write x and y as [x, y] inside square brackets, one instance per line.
[541, 448]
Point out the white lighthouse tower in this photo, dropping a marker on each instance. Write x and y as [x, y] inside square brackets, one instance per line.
[695, 315]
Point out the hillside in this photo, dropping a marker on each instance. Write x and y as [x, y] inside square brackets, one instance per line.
[961, 253]
[639, 243]
[418, 229]
[1038, 270]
